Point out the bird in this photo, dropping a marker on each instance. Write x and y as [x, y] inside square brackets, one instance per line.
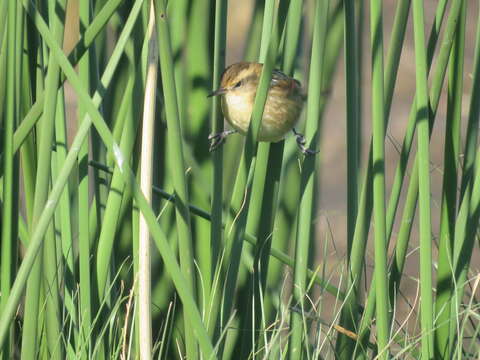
[238, 87]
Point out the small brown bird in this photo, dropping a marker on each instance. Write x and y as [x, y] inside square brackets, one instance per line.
[238, 87]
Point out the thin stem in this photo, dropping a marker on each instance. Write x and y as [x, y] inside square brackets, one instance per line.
[426, 302]
[378, 158]
[8, 232]
[177, 163]
[146, 179]
[307, 183]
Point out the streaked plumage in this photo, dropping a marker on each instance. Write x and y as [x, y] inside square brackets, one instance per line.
[238, 87]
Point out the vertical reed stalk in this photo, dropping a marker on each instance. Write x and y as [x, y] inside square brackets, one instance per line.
[426, 301]
[85, 69]
[345, 344]
[307, 183]
[449, 190]
[177, 163]
[107, 137]
[378, 163]
[216, 124]
[9, 208]
[146, 180]
[235, 225]
[29, 338]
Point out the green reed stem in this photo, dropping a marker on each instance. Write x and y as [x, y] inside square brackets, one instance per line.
[146, 180]
[85, 70]
[52, 263]
[42, 184]
[410, 203]
[115, 197]
[235, 225]
[198, 64]
[449, 190]
[64, 212]
[264, 199]
[466, 229]
[277, 254]
[473, 120]
[216, 121]
[378, 163]
[8, 232]
[158, 235]
[83, 44]
[3, 65]
[307, 183]
[292, 36]
[115, 57]
[467, 218]
[426, 301]
[365, 202]
[177, 164]
[104, 246]
[352, 91]
[344, 343]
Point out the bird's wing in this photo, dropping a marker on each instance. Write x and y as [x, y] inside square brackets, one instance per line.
[285, 82]
[279, 78]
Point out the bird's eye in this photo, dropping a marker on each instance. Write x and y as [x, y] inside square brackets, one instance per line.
[237, 85]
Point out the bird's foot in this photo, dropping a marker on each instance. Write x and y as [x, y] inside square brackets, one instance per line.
[218, 139]
[301, 144]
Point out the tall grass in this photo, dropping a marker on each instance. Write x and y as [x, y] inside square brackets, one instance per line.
[109, 251]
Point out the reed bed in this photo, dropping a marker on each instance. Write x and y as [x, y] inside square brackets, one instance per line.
[122, 236]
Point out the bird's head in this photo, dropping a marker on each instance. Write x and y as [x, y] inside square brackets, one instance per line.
[239, 78]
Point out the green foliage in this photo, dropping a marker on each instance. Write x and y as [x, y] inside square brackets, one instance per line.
[238, 268]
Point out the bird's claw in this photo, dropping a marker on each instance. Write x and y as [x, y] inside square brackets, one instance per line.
[218, 139]
[301, 144]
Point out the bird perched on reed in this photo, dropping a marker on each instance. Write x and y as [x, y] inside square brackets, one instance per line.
[238, 87]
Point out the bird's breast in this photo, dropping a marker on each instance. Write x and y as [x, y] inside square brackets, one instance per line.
[279, 116]
[237, 109]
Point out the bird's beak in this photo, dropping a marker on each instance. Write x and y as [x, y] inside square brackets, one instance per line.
[217, 92]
